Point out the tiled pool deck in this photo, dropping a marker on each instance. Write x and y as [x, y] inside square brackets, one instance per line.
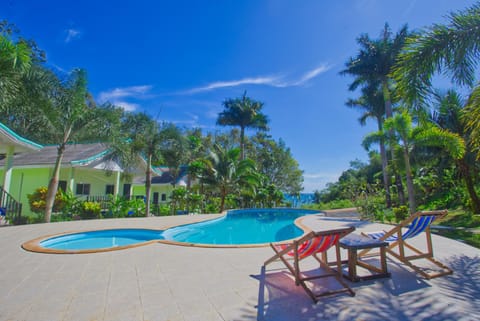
[167, 282]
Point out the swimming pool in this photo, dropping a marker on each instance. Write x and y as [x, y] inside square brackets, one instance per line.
[252, 227]
[101, 239]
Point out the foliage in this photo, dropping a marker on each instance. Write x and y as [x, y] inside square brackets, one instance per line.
[274, 160]
[89, 210]
[370, 204]
[448, 49]
[37, 200]
[245, 113]
[332, 205]
[400, 213]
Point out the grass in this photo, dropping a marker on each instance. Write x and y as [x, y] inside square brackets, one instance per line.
[460, 221]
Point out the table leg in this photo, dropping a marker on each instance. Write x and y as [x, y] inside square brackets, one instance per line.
[352, 264]
[383, 259]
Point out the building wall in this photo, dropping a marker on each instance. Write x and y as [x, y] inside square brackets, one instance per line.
[166, 189]
[26, 180]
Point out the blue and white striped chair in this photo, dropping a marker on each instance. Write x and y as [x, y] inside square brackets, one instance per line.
[411, 227]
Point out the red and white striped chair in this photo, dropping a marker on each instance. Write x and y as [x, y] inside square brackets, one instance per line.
[311, 245]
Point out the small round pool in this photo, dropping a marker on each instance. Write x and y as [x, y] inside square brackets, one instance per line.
[247, 227]
[103, 239]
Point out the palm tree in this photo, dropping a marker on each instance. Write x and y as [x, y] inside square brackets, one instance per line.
[371, 103]
[227, 172]
[144, 138]
[374, 62]
[448, 116]
[399, 129]
[245, 113]
[15, 60]
[372, 66]
[71, 114]
[450, 49]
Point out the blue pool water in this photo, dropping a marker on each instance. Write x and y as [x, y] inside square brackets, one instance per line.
[101, 239]
[238, 227]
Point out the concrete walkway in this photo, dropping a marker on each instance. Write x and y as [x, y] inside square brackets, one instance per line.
[166, 282]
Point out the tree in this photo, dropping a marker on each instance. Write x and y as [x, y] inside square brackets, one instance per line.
[15, 60]
[245, 113]
[371, 67]
[274, 160]
[227, 172]
[450, 49]
[448, 116]
[70, 115]
[399, 129]
[371, 103]
[144, 138]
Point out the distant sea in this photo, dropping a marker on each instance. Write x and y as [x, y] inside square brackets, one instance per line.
[298, 201]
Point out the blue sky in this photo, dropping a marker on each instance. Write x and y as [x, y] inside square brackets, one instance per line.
[179, 60]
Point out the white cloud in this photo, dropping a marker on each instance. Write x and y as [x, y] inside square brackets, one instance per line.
[273, 81]
[318, 181]
[72, 34]
[311, 74]
[262, 80]
[126, 106]
[126, 92]
[120, 96]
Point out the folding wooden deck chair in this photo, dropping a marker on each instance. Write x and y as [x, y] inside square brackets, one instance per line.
[409, 228]
[312, 244]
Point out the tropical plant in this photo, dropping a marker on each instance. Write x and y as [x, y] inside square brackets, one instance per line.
[448, 115]
[399, 130]
[227, 173]
[143, 138]
[15, 60]
[90, 210]
[371, 68]
[450, 49]
[37, 200]
[245, 113]
[372, 104]
[69, 116]
[274, 160]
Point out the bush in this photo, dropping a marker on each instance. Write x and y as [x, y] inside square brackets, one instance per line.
[37, 200]
[400, 213]
[90, 210]
[371, 207]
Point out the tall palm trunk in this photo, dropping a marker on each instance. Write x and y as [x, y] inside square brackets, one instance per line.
[386, 177]
[389, 114]
[53, 184]
[148, 185]
[410, 188]
[242, 143]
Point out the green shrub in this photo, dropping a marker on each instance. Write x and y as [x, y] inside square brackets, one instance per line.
[371, 207]
[400, 213]
[90, 210]
[37, 200]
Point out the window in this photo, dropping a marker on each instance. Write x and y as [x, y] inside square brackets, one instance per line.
[83, 189]
[109, 189]
[155, 198]
[126, 190]
[164, 197]
[62, 185]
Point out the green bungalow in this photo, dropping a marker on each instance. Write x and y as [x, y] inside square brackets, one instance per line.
[86, 171]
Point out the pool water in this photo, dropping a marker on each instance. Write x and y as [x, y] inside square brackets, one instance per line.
[101, 239]
[238, 227]
[251, 226]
